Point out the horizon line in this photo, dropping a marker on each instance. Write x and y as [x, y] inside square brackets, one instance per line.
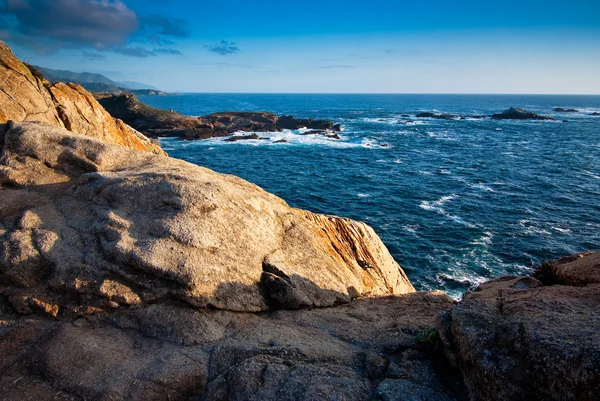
[378, 93]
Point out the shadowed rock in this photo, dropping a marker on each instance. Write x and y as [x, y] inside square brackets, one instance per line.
[518, 339]
[358, 351]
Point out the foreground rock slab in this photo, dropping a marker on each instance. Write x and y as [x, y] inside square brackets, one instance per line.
[85, 225]
[364, 350]
[523, 339]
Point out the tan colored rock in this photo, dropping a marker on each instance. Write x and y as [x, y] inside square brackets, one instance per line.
[82, 114]
[99, 214]
[23, 96]
[27, 97]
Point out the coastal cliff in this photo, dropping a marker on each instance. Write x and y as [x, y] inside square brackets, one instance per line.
[126, 274]
[26, 96]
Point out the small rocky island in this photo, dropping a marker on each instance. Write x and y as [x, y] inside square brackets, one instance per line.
[129, 275]
[513, 113]
[519, 114]
[155, 122]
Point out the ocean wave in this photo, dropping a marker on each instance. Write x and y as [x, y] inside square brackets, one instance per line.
[411, 228]
[437, 207]
[485, 239]
[481, 186]
[561, 230]
[532, 228]
[380, 120]
[289, 138]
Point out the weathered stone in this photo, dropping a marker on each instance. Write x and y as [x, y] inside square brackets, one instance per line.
[517, 339]
[166, 228]
[169, 350]
[25, 96]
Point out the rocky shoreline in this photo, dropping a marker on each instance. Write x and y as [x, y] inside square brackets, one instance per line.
[126, 274]
[155, 122]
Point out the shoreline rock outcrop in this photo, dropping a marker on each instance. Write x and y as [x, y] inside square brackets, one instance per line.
[523, 338]
[162, 123]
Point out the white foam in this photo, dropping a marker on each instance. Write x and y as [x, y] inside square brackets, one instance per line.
[363, 195]
[437, 207]
[561, 230]
[485, 239]
[291, 138]
[381, 120]
[481, 186]
[410, 228]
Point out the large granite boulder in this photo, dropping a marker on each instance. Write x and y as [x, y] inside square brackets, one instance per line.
[26, 96]
[87, 225]
[526, 338]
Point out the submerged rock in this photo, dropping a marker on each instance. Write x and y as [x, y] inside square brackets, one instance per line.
[325, 133]
[519, 114]
[522, 338]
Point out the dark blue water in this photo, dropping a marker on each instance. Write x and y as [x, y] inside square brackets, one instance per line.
[456, 202]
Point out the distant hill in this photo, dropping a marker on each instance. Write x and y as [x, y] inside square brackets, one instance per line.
[80, 78]
[98, 82]
[135, 85]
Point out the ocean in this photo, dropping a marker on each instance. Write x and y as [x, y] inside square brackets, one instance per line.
[456, 202]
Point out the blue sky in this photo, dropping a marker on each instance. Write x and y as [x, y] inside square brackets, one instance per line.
[330, 46]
